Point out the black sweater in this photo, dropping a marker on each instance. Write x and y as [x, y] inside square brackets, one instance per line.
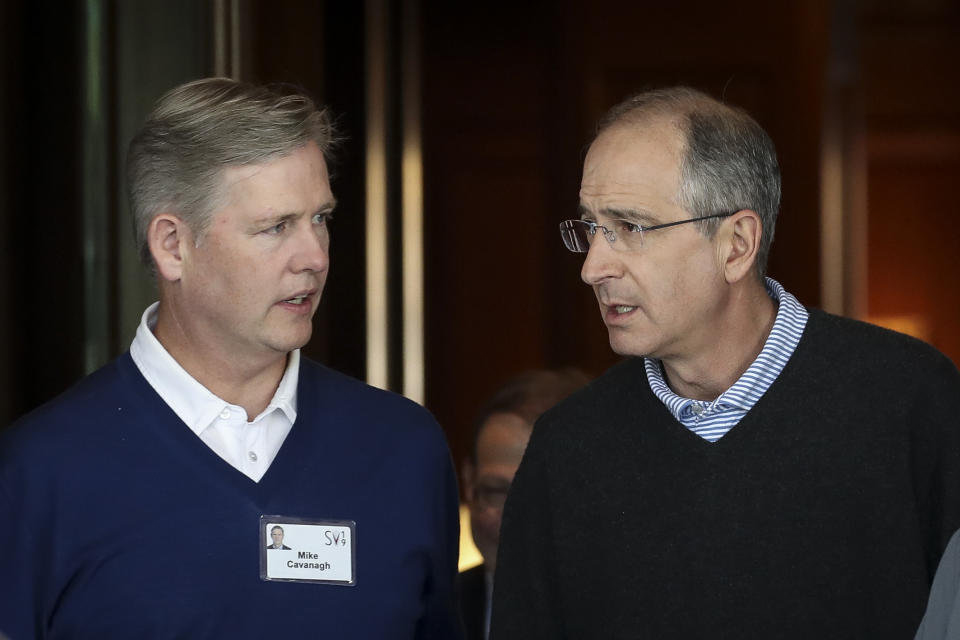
[822, 514]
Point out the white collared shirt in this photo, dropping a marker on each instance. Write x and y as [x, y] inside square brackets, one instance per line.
[249, 447]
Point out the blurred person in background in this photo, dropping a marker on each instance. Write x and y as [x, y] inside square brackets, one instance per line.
[501, 432]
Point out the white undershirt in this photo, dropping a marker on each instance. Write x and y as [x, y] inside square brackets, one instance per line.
[249, 447]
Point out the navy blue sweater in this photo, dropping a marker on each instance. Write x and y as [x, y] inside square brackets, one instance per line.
[116, 521]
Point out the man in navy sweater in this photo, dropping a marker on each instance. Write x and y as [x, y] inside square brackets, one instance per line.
[214, 423]
[753, 469]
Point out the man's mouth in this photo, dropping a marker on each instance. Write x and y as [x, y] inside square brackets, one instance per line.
[622, 308]
[302, 299]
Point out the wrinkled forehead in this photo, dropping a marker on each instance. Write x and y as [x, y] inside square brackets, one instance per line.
[633, 161]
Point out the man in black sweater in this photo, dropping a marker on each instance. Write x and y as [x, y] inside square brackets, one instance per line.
[757, 470]
[501, 432]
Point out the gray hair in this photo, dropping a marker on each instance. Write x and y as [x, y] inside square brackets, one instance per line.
[195, 131]
[728, 162]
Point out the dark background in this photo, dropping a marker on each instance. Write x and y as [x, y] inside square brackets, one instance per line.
[861, 98]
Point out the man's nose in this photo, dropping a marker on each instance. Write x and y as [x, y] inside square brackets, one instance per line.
[601, 262]
[313, 249]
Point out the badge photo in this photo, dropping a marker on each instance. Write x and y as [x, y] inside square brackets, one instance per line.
[304, 550]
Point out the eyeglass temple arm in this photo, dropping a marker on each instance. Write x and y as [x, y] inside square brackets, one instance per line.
[673, 224]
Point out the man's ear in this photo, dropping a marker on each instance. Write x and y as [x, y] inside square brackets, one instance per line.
[740, 243]
[167, 236]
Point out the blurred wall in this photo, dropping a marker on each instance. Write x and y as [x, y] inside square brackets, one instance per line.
[911, 113]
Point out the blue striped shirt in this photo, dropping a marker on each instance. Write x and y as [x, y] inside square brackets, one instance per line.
[712, 420]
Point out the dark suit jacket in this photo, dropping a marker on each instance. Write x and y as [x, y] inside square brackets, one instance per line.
[283, 547]
[473, 601]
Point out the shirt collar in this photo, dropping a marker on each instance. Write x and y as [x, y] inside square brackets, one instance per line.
[193, 403]
[746, 391]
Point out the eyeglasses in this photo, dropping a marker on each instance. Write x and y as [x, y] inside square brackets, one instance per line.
[623, 235]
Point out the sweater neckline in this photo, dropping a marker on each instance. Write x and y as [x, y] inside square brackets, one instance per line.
[186, 449]
[747, 426]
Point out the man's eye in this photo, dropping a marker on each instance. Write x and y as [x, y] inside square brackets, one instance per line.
[276, 229]
[629, 227]
[322, 218]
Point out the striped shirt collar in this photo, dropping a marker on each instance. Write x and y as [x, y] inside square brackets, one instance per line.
[750, 387]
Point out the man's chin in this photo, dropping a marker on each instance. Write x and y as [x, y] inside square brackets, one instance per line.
[623, 346]
[298, 336]
[289, 343]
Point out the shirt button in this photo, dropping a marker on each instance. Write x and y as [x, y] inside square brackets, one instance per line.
[252, 456]
[225, 414]
[697, 408]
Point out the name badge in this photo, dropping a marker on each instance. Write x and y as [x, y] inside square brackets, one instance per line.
[301, 550]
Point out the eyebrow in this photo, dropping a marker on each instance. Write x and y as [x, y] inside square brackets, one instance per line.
[268, 221]
[640, 216]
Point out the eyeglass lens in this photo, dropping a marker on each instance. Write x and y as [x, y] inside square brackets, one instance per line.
[578, 235]
[575, 235]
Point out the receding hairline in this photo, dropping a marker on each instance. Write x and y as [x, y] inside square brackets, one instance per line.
[675, 105]
[638, 123]
[669, 109]
[663, 131]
